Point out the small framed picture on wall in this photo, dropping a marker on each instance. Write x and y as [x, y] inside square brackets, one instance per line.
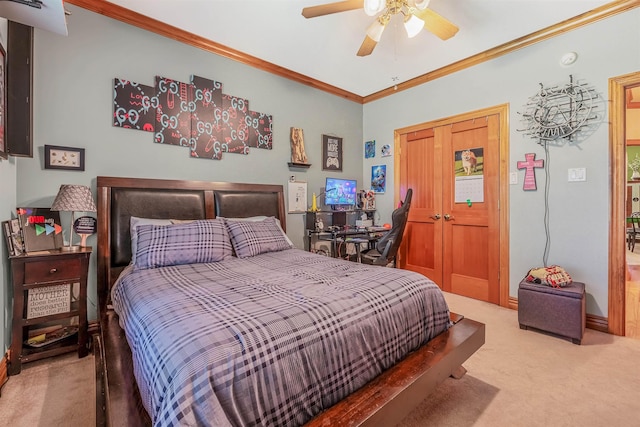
[331, 153]
[68, 158]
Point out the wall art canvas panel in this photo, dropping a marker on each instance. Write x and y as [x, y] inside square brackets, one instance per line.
[234, 127]
[41, 229]
[259, 125]
[379, 178]
[206, 119]
[173, 115]
[132, 105]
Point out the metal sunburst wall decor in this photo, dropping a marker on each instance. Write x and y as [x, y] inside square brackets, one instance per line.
[559, 112]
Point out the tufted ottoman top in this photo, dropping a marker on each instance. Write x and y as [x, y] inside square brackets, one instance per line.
[572, 290]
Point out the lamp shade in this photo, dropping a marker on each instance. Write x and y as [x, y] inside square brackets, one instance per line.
[372, 7]
[421, 4]
[375, 30]
[74, 198]
[413, 25]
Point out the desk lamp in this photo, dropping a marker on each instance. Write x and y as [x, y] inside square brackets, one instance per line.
[72, 198]
[314, 199]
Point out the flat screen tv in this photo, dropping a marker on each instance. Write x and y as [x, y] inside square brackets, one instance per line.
[340, 191]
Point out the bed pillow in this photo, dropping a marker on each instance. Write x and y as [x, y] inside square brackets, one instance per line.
[133, 225]
[250, 238]
[198, 241]
[262, 218]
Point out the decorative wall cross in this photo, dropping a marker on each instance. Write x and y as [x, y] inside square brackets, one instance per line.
[530, 174]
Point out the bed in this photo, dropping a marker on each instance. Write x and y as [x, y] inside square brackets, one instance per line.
[326, 305]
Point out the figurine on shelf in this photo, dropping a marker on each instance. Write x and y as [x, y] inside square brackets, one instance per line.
[362, 199]
[370, 200]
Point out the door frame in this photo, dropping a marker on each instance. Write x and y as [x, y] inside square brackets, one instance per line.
[502, 111]
[617, 151]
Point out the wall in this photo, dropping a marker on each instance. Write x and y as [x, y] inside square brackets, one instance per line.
[579, 211]
[73, 105]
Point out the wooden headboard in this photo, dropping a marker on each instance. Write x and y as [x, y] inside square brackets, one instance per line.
[121, 198]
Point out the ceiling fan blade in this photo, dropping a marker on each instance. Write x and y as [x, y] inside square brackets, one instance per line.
[367, 46]
[437, 24]
[329, 8]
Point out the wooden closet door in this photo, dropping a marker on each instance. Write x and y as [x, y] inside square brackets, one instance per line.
[471, 229]
[456, 243]
[421, 163]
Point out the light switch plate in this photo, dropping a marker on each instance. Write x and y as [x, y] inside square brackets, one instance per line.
[577, 174]
[513, 178]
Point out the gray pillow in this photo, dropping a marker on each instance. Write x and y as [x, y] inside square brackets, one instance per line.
[250, 238]
[134, 222]
[194, 242]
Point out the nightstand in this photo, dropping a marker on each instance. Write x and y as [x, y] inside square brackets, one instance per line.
[49, 295]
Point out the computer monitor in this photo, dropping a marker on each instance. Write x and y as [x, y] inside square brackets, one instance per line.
[340, 191]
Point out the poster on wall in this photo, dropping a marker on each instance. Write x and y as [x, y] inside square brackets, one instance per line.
[132, 105]
[370, 149]
[331, 153]
[173, 119]
[297, 196]
[379, 178]
[206, 119]
[469, 175]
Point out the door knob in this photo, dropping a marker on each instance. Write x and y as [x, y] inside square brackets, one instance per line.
[436, 216]
[448, 217]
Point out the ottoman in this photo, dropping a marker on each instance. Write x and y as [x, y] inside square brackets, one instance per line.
[560, 311]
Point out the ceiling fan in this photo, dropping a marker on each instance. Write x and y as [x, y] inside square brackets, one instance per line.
[415, 15]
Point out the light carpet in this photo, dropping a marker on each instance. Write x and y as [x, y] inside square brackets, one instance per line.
[518, 378]
[526, 378]
[58, 391]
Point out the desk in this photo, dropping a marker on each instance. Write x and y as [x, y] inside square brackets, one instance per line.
[357, 237]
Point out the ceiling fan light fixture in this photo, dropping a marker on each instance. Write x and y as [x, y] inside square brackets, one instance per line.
[413, 25]
[375, 30]
[420, 4]
[372, 7]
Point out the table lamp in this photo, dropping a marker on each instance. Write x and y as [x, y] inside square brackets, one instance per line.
[72, 198]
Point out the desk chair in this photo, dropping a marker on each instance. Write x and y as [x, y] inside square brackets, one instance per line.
[387, 247]
[633, 230]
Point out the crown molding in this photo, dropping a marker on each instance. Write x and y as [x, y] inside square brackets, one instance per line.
[138, 20]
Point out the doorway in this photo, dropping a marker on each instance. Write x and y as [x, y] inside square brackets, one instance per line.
[618, 303]
[457, 231]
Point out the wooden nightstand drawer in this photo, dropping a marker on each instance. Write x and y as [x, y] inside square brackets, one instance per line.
[48, 271]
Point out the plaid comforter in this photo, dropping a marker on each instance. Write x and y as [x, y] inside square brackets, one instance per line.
[272, 339]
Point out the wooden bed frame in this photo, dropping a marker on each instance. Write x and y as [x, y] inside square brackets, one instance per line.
[383, 401]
